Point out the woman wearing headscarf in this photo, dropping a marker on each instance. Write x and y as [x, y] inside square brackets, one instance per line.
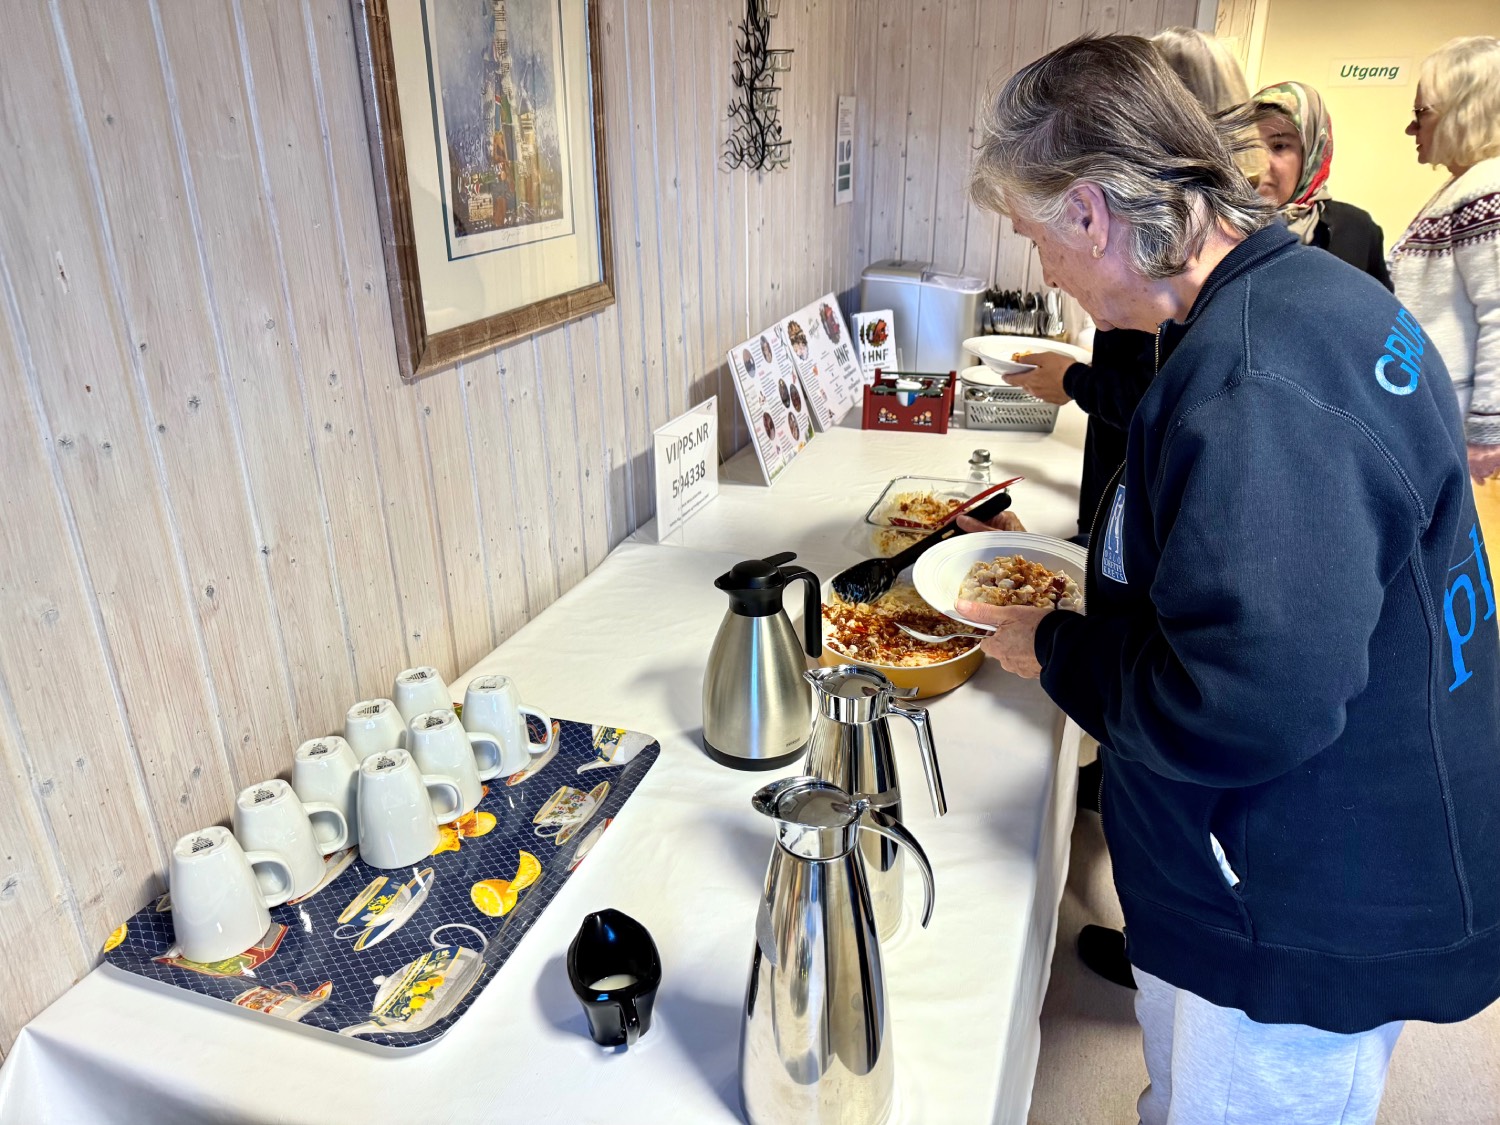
[1296, 711]
[1297, 133]
[1447, 264]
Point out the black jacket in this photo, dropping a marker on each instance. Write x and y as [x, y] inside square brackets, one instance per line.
[1351, 235]
[1290, 654]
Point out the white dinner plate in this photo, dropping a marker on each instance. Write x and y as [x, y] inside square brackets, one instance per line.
[996, 351]
[940, 572]
[982, 375]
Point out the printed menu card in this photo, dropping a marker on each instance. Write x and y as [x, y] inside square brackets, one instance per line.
[823, 355]
[765, 382]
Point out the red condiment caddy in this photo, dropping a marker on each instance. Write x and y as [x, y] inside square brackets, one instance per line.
[925, 410]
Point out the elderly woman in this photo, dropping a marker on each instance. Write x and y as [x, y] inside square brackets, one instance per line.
[1447, 265]
[1290, 655]
[1297, 133]
[1108, 388]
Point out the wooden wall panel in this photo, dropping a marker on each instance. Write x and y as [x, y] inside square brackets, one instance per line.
[226, 517]
[154, 250]
[924, 69]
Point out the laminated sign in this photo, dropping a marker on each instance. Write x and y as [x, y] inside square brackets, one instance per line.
[823, 355]
[687, 466]
[779, 417]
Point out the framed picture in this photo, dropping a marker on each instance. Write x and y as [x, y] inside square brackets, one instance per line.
[487, 142]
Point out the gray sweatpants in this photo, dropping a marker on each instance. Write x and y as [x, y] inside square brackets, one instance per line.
[1216, 1066]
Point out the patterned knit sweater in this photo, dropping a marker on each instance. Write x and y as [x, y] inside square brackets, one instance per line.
[1446, 270]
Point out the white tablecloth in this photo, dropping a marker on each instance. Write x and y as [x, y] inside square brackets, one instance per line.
[686, 857]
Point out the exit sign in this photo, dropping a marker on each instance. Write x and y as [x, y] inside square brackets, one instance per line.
[1370, 72]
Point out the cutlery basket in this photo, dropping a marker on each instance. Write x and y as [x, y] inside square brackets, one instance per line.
[1008, 408]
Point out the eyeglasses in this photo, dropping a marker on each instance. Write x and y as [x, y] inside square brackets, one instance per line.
[1418, 110]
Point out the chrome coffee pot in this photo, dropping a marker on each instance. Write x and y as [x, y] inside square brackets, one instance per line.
[851, 748]
[815, 1042]
[757, 709]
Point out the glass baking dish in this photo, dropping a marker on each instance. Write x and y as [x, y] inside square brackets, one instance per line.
[944, 488]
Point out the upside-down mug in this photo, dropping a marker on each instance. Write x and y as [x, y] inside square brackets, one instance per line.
[400, 809]
[270, 817]
[325, 770]
[374, 725]
[492, 706]
[441, 746]
[218, 903]
[419, 690]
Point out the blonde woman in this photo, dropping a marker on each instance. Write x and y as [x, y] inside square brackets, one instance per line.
[1446, 267]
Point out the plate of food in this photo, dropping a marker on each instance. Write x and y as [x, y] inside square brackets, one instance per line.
[999, 352]
[1002, 568]
[866, 634]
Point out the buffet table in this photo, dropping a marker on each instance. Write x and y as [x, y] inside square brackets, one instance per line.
[686, 857]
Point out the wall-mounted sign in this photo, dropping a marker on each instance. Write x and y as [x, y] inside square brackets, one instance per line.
[1370, 72]
[843, 153]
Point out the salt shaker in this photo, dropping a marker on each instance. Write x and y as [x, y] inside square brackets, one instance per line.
[979, 466]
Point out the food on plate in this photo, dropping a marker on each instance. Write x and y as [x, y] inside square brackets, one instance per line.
[749, 361]
[765, 349]
[770, 426]
[1012, 580]
[786, 394]
[867, 631]
[875, 333]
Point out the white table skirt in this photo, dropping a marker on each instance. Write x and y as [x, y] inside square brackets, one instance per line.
[686, 857]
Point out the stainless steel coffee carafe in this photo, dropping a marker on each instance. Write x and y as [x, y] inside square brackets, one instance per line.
[815, 1045]
[757, 709]
[851, 748]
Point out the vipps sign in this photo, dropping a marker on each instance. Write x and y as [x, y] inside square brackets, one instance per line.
[1370, 72]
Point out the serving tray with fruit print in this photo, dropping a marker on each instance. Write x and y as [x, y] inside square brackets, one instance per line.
[390, 960]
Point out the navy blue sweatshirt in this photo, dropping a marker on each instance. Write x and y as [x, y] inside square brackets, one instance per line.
[1291, 653]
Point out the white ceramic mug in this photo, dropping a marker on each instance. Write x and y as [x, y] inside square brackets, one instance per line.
[492, 706]
[419, 690]
[372, 726]
[218, 904]
[326, 771]
[270, 817]
[441, 746]
[398, 824]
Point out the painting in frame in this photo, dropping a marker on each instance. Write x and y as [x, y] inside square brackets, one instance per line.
[487, 144]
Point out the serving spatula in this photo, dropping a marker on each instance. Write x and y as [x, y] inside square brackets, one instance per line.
[866, 581]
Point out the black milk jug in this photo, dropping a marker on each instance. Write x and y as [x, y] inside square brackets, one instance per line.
[757, 707]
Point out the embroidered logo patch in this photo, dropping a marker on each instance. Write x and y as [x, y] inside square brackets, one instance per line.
[1112, 554]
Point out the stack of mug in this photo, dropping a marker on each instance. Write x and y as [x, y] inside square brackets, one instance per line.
[403, 766]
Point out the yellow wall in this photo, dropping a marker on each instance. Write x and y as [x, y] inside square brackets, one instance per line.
[1374, 164]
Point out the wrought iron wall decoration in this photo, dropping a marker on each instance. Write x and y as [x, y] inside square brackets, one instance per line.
[755, 140]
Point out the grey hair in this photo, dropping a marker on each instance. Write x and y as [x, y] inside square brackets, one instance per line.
[1207, 69]
[1110, 112]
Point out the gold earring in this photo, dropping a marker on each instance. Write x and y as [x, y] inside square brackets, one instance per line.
[1098, 251]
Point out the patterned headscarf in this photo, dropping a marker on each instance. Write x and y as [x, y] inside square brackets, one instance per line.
[1303, 107]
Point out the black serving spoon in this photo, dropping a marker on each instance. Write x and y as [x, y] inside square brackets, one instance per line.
[866, 581]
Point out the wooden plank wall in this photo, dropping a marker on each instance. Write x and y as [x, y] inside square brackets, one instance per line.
[225, 518]
[924, 66]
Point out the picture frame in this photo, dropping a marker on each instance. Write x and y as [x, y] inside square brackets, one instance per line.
[486, 130]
